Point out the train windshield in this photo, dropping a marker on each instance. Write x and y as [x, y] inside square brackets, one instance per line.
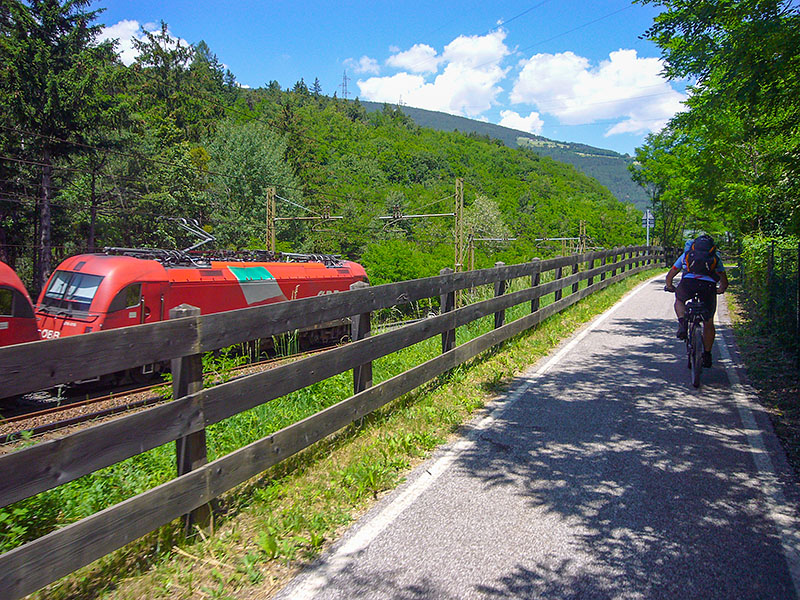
[71, 290]
[6, 302]
[14, 304]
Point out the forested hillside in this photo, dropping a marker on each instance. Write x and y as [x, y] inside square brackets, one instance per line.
[608, 167]
[94, 153]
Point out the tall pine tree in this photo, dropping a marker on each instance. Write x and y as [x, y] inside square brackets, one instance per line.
[49, 91]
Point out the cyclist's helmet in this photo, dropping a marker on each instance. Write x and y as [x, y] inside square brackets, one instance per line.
[707, 239]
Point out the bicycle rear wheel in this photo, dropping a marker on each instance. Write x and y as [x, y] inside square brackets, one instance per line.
[697, 355]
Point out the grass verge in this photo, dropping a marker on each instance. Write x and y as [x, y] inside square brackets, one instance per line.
[772, 372]
[270, 527]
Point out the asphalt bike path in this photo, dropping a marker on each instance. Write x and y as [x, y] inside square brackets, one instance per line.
[602, 473]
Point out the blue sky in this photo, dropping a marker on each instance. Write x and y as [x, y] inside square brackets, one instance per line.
[570, 70]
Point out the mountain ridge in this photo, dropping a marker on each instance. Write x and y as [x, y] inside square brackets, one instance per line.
[606, 166]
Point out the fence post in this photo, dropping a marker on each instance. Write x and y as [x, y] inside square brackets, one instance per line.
[589, 267]
[190, 450]
[613, 262]
[360, 329]
[536, 278]
[447, 303]
[603, 264]
[575, 269]
[560, 291]
[499, 290]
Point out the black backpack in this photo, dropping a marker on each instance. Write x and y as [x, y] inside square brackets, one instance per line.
[701, 258]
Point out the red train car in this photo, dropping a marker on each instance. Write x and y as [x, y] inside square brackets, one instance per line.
[17, 321]
[122, 287]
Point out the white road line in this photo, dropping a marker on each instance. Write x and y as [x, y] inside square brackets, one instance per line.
[306, 587]
[778, 509]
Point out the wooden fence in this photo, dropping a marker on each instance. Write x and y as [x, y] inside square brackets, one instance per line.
[183, 340]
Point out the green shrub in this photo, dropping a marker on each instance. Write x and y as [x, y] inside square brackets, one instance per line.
[769, 279]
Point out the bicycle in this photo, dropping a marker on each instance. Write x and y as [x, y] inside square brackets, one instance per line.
[694, 316]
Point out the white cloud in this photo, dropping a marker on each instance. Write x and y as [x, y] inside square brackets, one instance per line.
[477, 51]
[420, 58]
[468, 84]
[530, 124]
[391, 89]
[123, 32]
[624, 88]
[365, 64]
[126, 31]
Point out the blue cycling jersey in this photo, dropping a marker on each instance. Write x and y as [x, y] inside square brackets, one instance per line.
[681, 265]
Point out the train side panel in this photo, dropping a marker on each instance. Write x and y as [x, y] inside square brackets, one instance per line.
[231, 286]
[17, 319]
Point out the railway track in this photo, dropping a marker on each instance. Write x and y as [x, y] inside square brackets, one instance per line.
[32, 424]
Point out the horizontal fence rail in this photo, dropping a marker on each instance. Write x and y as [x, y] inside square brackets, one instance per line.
[37, 365]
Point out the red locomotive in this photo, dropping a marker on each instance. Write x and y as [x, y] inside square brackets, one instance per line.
[122, 287]
[17, 321]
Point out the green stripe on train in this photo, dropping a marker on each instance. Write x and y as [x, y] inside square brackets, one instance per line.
[251, 273]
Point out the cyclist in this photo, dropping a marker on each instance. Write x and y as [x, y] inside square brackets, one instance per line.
[702, 269]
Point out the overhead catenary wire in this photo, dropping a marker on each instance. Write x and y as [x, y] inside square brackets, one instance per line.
[501, 24]
[555, 37]
[489, 62]
[297, 205]
[449, 197]
[401, 217]
[522, 14]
